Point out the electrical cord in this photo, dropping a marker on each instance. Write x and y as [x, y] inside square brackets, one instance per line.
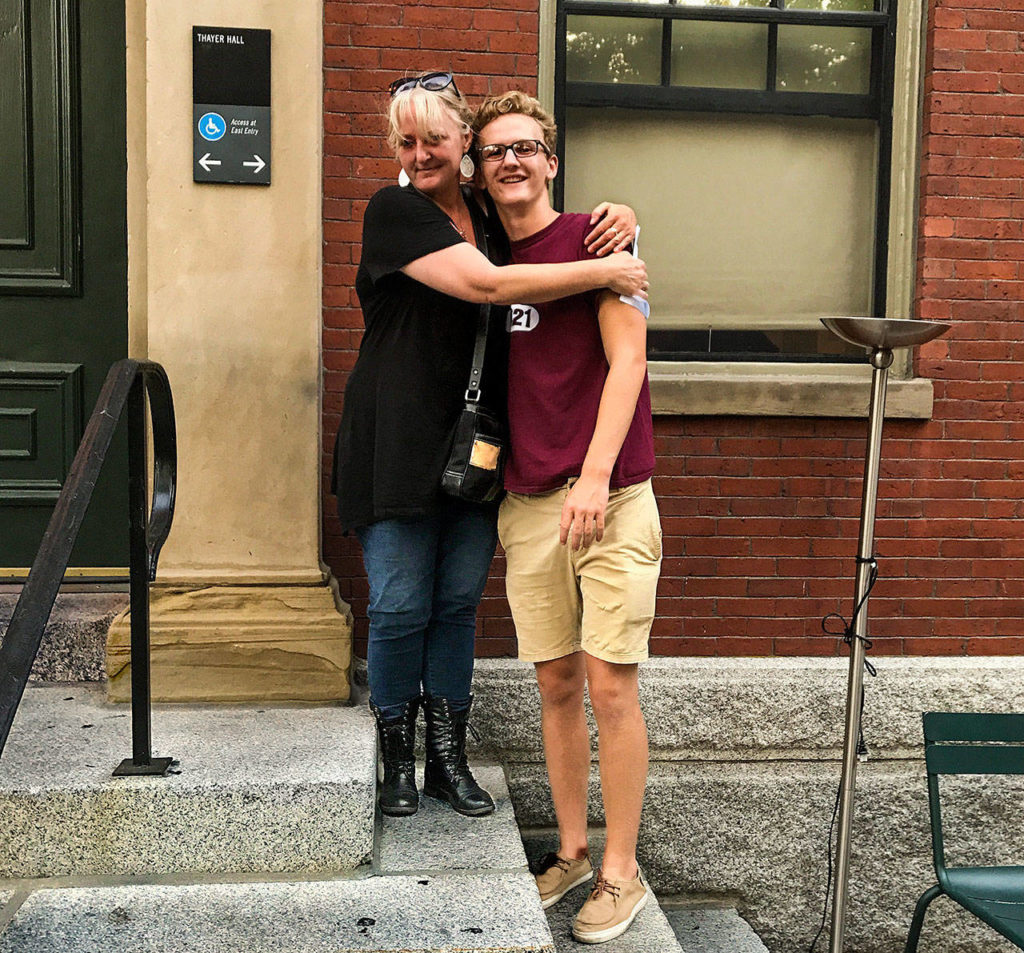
[828, 883]
[848, 634]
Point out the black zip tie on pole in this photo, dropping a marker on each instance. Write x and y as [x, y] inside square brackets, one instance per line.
[847, 631]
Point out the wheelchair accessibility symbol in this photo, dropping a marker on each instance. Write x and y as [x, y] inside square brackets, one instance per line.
[212, 126]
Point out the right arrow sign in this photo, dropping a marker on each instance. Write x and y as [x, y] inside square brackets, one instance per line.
[255, 166]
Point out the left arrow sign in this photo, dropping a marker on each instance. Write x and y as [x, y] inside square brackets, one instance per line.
[206, 162]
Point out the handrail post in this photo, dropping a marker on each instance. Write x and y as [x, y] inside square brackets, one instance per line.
[142, 761]
[127, 382]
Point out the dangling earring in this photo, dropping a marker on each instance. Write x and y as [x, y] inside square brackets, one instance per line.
[403, 179]
[467, 167]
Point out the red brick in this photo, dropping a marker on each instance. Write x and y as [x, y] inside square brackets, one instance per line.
[937, 227]
[951, 59]
[987, 269]
[452, 39]
[513, 43]
[934, 646]
[995, 646]
[959, 40]
[497, 20]
[946, 18]
[390, 37]
[1003, 41]
[351, 57]
[825, 645]
[432, 16]
[964, 82]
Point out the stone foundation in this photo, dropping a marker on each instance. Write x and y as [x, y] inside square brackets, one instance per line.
[240, 643]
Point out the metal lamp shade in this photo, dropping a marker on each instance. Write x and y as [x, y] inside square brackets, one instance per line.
[885, 333]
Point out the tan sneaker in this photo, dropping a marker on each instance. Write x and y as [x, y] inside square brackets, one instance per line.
[556, 876]
[610, 909]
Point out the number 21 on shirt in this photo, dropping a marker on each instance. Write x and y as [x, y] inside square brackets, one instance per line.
[522, 317]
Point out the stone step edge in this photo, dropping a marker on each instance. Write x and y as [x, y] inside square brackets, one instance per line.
[14, 886]
[259, 916]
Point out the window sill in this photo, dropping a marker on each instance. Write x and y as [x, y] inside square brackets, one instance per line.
[787, 390]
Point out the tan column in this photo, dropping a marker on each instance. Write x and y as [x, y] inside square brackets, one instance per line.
[224, 291]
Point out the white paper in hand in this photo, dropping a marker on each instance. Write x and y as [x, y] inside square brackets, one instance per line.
[641, 304]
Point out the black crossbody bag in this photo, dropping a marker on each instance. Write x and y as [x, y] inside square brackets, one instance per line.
[476, 460]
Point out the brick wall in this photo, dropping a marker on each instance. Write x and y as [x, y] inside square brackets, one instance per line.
[761, 515]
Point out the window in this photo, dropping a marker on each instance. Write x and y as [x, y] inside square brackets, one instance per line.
[754, 138]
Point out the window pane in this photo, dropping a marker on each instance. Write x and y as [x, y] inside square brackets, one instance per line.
[724, 3]
[750, 223]
[714, 344]
[722, 55]
[830, 5]
[613, 50]
[714, 3]
[824, 59]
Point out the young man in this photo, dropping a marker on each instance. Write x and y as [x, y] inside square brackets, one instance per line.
[579, 525]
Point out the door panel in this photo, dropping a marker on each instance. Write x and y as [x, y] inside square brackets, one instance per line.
[63, 264]
[40, 229]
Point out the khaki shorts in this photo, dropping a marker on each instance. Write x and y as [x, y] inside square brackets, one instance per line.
[599, 599]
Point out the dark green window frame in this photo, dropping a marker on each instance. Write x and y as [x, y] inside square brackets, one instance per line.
[877, 104]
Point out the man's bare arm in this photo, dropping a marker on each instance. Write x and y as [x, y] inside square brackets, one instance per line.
[624, 336]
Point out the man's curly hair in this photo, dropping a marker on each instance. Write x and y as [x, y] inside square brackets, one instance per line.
[522, 104]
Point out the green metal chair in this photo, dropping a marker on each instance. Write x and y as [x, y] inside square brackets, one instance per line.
[972, 744]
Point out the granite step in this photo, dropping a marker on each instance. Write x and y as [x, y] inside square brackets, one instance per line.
[435, 838]
[463, 912]
[713, 930]
[258, 789]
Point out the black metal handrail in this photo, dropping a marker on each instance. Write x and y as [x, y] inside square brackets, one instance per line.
[127, 385]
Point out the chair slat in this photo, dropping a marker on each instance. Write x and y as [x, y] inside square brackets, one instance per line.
[973, 726]
[974, 759]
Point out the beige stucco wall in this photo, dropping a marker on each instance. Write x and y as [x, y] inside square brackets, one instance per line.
[225, 293]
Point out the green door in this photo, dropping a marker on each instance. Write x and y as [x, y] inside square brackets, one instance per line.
[63, 265]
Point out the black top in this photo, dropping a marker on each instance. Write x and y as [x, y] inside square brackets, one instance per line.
[407, 388]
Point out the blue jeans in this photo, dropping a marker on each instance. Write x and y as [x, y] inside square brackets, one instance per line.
[426, 577]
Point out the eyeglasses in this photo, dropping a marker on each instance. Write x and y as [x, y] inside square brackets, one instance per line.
[434, 82]
[521, 148]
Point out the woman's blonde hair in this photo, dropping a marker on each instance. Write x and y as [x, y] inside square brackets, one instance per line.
[520, 104]
[430, 110]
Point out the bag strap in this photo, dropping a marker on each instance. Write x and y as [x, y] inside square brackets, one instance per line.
[484, 318]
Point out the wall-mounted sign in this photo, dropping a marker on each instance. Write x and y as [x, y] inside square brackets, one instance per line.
[230, 105]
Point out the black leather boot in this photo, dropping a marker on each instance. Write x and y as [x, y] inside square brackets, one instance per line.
[447, 776]
[397, 794]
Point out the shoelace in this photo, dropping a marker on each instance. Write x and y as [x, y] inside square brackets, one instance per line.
[550, 860]
[603, 885]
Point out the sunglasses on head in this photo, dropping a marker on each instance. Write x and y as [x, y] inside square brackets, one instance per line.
[434, 82]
